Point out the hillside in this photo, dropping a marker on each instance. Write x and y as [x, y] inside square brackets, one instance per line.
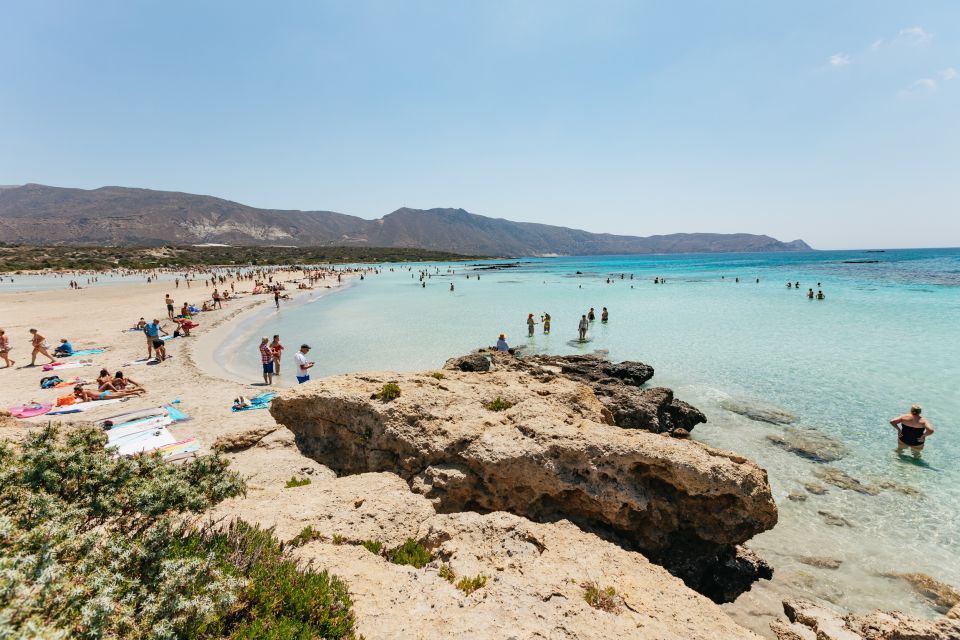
[119, 216]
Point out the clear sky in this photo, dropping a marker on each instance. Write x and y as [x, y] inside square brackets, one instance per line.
[835, 122]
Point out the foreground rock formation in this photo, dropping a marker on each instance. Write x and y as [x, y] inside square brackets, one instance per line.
[534, 571]
[809, 621]
[551, 452]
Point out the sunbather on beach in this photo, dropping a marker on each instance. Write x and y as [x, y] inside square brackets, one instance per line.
[39, 347]
[84, 395]
[65, 348]
[123, 383]
[105, 381]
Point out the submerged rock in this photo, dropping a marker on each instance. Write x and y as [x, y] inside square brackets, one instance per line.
[549, 456]
[821, 562]
[815, 488]
[809, 621]
[760, 412]
[942, 596]
[809, 443]
[796, 496]
[833, 519]
[842, 479]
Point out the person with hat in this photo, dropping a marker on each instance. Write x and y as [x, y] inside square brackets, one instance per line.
[303, 365]
[502, 345]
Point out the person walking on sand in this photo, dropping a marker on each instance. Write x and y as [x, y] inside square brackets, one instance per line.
[912, 431]
[216, 299]
[530, 323]
[266, 359]
[276, 297]
[584, 325]
[169, 302]
[277, 350]
[5, 349]
[303, 365]
[39, 346]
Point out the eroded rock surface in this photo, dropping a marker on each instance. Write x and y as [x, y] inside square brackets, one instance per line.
[550, 456]
[618, 385]
[758, 411]
[809, 621]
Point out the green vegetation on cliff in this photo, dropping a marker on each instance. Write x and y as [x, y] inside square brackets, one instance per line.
[28, 258]
[97, 546]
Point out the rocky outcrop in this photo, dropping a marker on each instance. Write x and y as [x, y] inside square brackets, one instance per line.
[240, 440]
[941, 596]
[618, 385]
[550, 454]
[809, 621]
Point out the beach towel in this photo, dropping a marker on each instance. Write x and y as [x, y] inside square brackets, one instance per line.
[48, 382]
[144, 441]
[165, 338]
[85, 406]
[86, 352]
[58, 366]
[262, 401]
[30, 410]
[123, 433]
[64, 401]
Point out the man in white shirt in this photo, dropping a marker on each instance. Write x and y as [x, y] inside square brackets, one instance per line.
[303, 365]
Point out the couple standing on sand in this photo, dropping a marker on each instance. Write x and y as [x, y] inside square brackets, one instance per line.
[270, 354]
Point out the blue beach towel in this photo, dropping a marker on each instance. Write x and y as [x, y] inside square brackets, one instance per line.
[85, 352]
[262, 401]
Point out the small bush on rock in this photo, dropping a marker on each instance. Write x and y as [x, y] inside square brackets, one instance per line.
[446, 572]
[412, 553]
[308, 534]
[389, 392]
[373, 546]
[294, 482]
[438, 375]
[469, 585]
[498, 404]
[605, 599]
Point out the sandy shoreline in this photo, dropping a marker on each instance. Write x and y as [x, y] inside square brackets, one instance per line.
[99, 316]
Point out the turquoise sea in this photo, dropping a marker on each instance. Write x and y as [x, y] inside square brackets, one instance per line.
[886, 336]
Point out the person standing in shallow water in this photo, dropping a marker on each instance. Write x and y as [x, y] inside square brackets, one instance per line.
[584, 325]
[912, 431]
[604, 315]
[591, 316]
[546, 322]
[530, 323]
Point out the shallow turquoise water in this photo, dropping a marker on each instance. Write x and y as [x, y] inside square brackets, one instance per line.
[885, 337]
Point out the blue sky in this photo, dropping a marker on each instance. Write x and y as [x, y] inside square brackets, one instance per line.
[836, 122]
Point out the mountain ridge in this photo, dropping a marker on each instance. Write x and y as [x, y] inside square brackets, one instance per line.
[125, 216]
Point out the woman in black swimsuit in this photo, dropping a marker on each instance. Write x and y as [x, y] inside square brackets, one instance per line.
[912, 431]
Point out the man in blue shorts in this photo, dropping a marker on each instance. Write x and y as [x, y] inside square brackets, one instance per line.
[303, 365]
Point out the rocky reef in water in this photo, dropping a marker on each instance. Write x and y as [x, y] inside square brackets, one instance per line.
[550, 439]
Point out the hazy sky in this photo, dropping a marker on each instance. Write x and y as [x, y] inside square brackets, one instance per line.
[836, 122]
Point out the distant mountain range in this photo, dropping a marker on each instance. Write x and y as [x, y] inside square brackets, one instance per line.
[119, 216]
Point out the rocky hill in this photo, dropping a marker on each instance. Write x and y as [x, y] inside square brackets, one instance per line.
[118, 216]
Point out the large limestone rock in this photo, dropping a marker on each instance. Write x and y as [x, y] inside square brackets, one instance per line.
[618, 385]
[808, 620]
[809, 443]
[534, 575]
[552, 455]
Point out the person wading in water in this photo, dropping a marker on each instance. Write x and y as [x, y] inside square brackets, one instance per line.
[912, 431]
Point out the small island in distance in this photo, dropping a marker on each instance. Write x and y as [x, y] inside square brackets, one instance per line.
[34, 214]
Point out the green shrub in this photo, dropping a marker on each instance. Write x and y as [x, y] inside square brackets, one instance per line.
[437, 375]
[469, 585]
[306, 535]
[410, 552]
[338, 539]
[389, 392]
[498, 404]
[373, 546]
[605, 599]
[94, 546]
[446, 572]
[295, 482]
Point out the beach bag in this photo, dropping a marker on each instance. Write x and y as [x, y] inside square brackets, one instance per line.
[66, 400]
[49, 381]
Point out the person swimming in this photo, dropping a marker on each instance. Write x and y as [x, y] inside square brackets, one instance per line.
[820, 295]
[912, 431]
[810, 294]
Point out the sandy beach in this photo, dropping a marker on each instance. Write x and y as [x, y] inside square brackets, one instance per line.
[100, 316]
